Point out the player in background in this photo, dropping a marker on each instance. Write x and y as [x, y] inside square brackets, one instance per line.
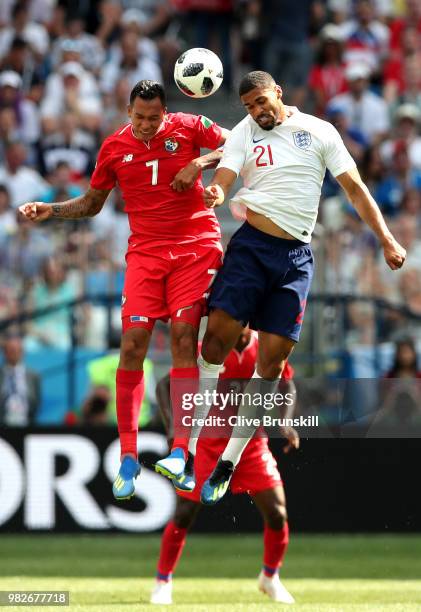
[257, 474]
[173, 252]
[268, 266]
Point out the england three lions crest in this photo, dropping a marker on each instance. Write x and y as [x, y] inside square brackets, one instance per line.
[302, 139]
[171, 145]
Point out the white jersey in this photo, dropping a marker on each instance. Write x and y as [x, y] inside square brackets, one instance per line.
[283, 169]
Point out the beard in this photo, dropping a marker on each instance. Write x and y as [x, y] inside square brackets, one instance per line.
[269, 125]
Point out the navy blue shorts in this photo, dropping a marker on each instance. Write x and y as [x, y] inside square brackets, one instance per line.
[264, 281]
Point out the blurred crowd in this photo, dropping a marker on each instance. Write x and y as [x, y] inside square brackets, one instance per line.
[66, 70]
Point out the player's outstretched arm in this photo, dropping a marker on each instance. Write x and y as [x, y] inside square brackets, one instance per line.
[369, 212]
[215, 194]
[86, 205]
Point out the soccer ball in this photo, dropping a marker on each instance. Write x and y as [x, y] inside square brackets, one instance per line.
[198, 73]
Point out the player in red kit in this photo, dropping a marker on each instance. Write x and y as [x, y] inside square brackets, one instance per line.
[256, 474]
[173, 252]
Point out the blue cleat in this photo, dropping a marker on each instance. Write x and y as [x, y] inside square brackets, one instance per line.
[123, 487]
[217, 484]
[173, 465]
[187, 480]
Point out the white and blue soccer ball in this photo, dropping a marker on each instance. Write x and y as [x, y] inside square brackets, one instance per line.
[198, 73]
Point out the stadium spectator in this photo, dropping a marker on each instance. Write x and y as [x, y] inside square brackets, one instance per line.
[86, 47]
[366, 39]
[112, 226]
[70, 143]
[390, 190]
[71, 89]
[410, 289]
[94, 408]
[35, 34]
[8, 224]
[405, 364]
[411, 93]
[367, 112]
[20, 59]
[115, 106]
[26, 112]
[55, 289]
[406, 119]
[62, 187]
[20, 393]
[411, 205]
[372, 167]
[22, 254]
[287, 52]
[411, 17]
[21, 181]
[128, 62]
[327, 77]
[393, 70]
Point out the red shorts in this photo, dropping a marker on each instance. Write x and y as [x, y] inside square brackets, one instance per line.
[257, 470]
[160, 282]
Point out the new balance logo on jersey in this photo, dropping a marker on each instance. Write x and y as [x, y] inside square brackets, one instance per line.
[128, 157]
[302, 139]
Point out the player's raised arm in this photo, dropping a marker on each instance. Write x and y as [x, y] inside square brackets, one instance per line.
[369, 212]
[217, 191]
[86, 205]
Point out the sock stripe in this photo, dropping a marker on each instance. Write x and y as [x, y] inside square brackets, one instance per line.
[164, 577]
[270, 571]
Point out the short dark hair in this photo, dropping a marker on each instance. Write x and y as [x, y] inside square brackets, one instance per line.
[257, 78]
[148, 90]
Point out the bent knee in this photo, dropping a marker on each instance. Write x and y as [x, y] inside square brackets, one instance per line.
[276, 517]
[184, 341]
[133, 348]
[214, 349]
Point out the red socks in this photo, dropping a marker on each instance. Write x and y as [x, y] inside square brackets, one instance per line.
[183, 385]
[129, 395]
[172, 544]
[275, 547]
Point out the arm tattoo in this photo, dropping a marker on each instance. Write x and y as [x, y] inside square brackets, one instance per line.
[86, 205]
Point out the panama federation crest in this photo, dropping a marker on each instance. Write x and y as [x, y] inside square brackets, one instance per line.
[171, 145]
[302, 139]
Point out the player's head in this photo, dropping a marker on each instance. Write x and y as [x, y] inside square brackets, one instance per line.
[262, 98]
[147, 108]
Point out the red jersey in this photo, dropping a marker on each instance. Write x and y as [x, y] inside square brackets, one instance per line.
[242, 365]
[158, 215]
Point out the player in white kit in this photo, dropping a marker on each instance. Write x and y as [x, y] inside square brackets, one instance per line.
[282, 158]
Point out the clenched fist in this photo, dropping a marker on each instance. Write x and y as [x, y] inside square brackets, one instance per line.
[36, 211]
[213, 196]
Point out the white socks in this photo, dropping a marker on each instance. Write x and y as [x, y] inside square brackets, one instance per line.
[242, 433]
[208, 381]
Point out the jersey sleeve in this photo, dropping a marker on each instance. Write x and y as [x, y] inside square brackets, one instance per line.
[207, 134]
[103, 176]
[234, 154]
[336, 155]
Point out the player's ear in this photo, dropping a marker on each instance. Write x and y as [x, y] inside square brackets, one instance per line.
[129, 111]
[278, 90]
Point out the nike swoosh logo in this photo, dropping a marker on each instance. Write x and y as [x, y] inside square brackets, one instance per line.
[254, 140]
